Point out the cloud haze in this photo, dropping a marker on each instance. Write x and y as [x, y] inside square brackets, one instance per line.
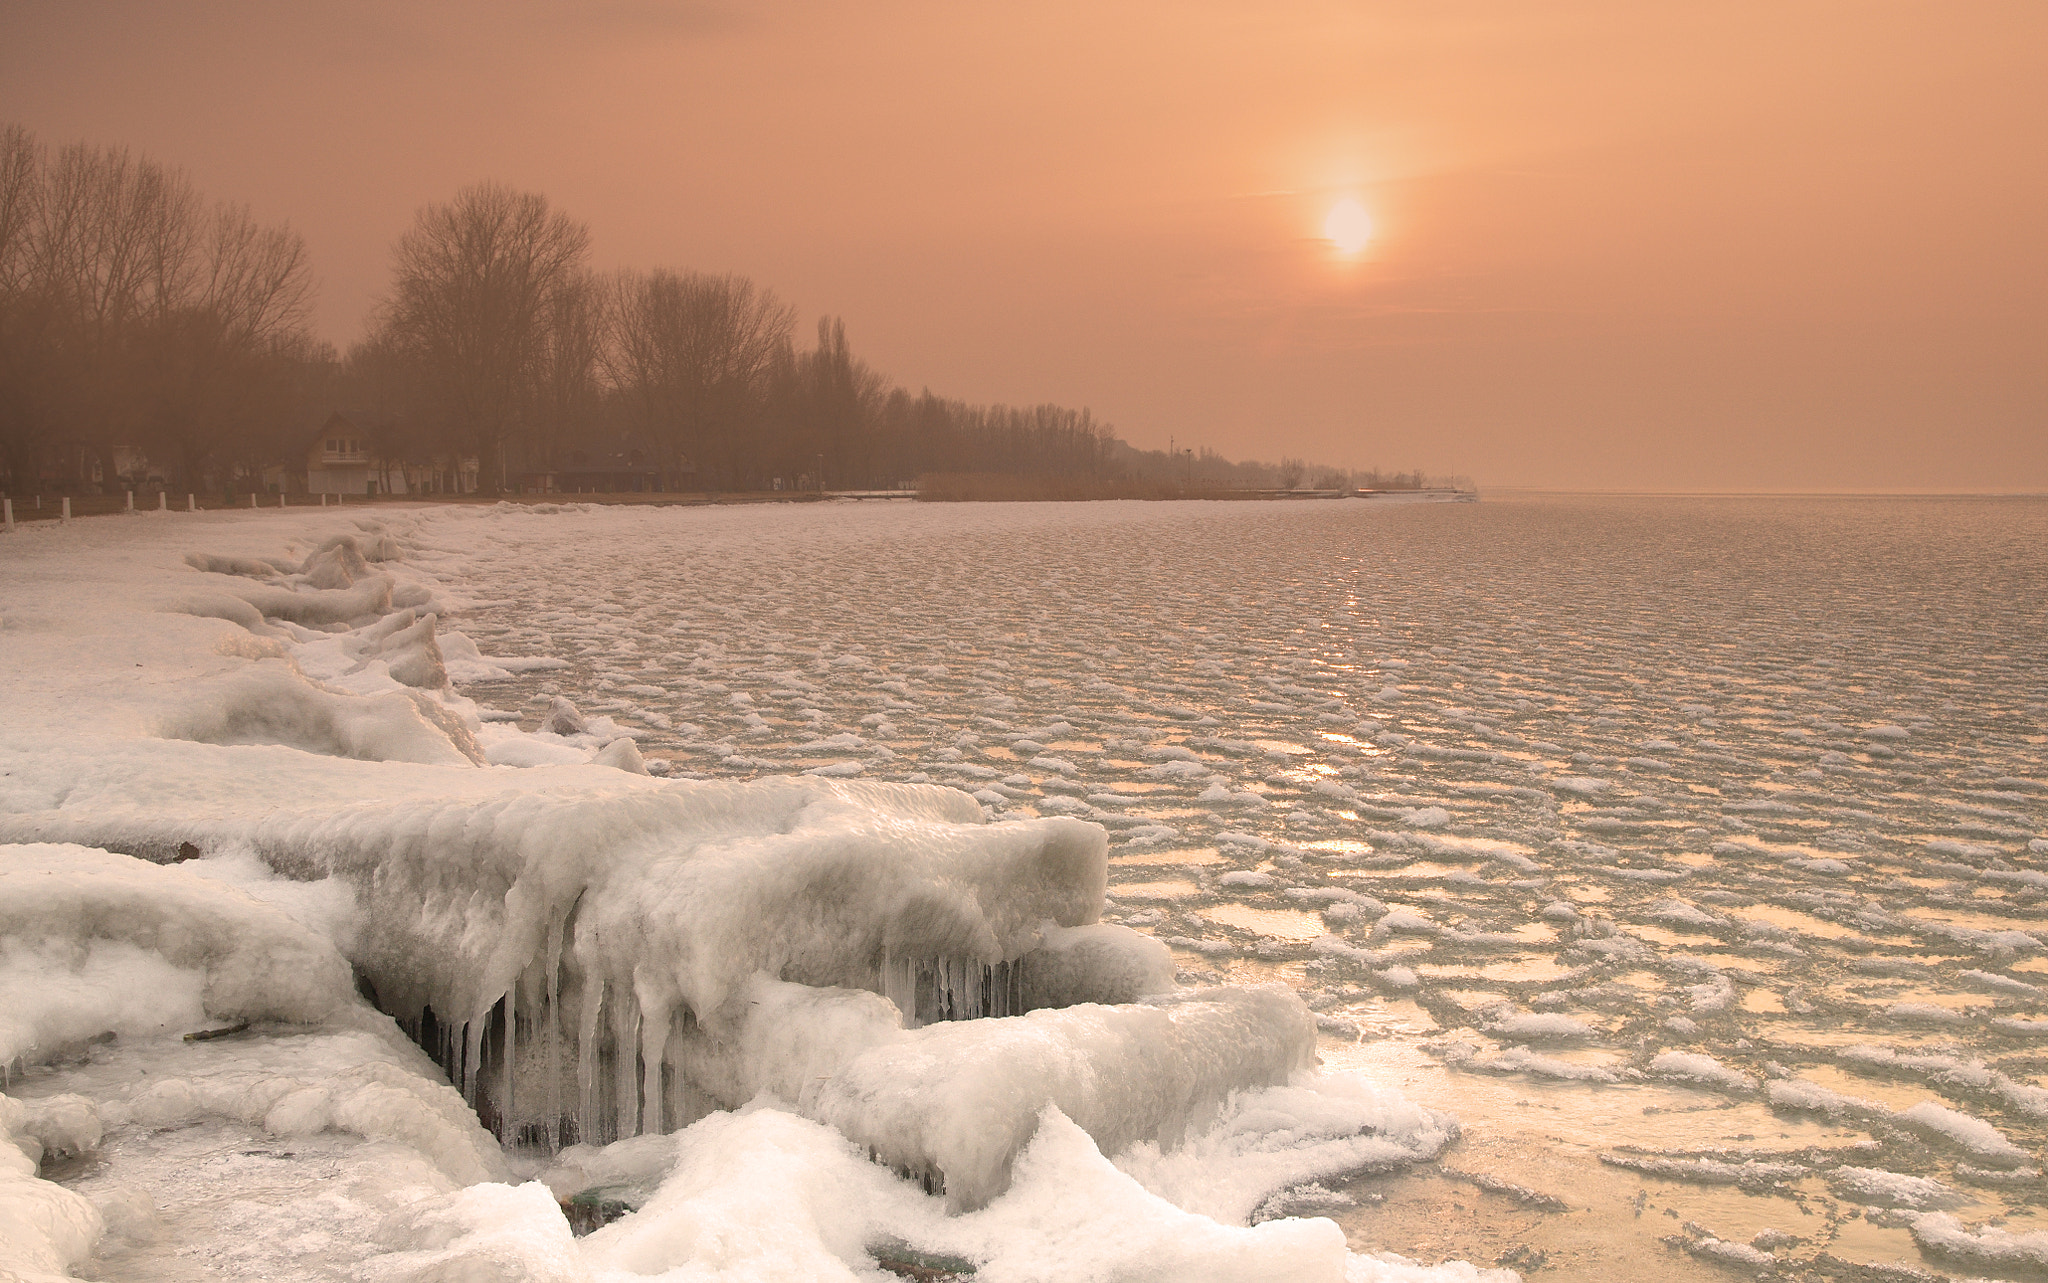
[1617, 245]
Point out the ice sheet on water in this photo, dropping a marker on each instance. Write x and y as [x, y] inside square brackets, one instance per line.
[1720, 730]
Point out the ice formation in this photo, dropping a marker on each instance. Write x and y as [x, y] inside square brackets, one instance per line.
[1718, 856]
[290, 829]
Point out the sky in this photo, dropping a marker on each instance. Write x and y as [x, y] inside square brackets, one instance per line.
[1615, 244]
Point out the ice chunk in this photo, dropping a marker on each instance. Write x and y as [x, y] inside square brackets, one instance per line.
[1799, 1094]
[757, 1194]
[563, 718]
[45, 1229]
[1879, 1188]
[411, 652]
[1941, 1234]
[622, 754]
[1740, 1254]
[272, 703]
[1318, 1127]
[485, 1232]
[1979, 1138]
[1099, 963]
[91, 941]
[337, 563]
[1693, 1067]
[1071, 1214]
[66, 1125]
[763, 1194]
[955, 1103]
[368, 599]
[1539, 1027]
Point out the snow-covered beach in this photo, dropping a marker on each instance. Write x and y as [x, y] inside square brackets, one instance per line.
[1692, 859]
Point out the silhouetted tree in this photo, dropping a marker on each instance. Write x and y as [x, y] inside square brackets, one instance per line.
[475, 284]
[133, 315]
[689, 356]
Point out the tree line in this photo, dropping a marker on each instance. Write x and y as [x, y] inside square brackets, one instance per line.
[147, 332]
[138, 319]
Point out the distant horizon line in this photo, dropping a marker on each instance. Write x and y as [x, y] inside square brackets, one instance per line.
[1620, 492]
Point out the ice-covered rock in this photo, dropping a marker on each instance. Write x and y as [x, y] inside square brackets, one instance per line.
[45, 1229]
[92, 942]
[271, 702]
[957, 1102]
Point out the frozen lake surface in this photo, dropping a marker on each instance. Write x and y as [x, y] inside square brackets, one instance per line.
[1692, 853]
[1681, 847]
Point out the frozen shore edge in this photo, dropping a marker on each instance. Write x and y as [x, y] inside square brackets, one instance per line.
[308, 743]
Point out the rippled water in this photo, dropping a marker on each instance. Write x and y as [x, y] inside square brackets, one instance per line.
[1521, 794]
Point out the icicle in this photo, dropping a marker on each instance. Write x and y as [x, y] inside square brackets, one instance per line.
[554, 1034]
[625, 1067]
[586, 1062]
[654, 1055]
[506, 1059]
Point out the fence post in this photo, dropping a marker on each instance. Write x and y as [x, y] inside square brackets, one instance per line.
[131, 502]
[252, 498]
[191, 504]
[8, 505]
[67, 507]
[163, 501]
[280, 498]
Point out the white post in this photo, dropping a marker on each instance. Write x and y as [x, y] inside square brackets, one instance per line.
[191, 504]
[8, 505]
[131, 501]
[163, 501]
[67, 507]
[280, 498]
[252, 498]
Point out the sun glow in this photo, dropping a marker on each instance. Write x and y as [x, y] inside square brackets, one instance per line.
[1348, 226]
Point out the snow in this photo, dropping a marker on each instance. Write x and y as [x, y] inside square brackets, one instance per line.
[1283, 1137]
[91, 941]
[1540, 1027]
[1879, 1188]
[1692, 1067]
[1990, 1246]
[1980, 1139]
[813, 983]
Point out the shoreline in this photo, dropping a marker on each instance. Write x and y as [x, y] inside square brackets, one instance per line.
[116, 505]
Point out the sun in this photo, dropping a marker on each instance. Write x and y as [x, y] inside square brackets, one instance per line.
[1348, 226]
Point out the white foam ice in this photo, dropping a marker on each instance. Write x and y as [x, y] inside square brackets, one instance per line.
[1693, 1067]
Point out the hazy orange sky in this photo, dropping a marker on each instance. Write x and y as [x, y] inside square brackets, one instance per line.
[1618, 243]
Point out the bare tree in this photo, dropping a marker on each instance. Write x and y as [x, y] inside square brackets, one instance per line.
[132, 315]
[690, 355]
[221, 342]
[475, 281]
[25, 312]
[115, 241]
[565, 394]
